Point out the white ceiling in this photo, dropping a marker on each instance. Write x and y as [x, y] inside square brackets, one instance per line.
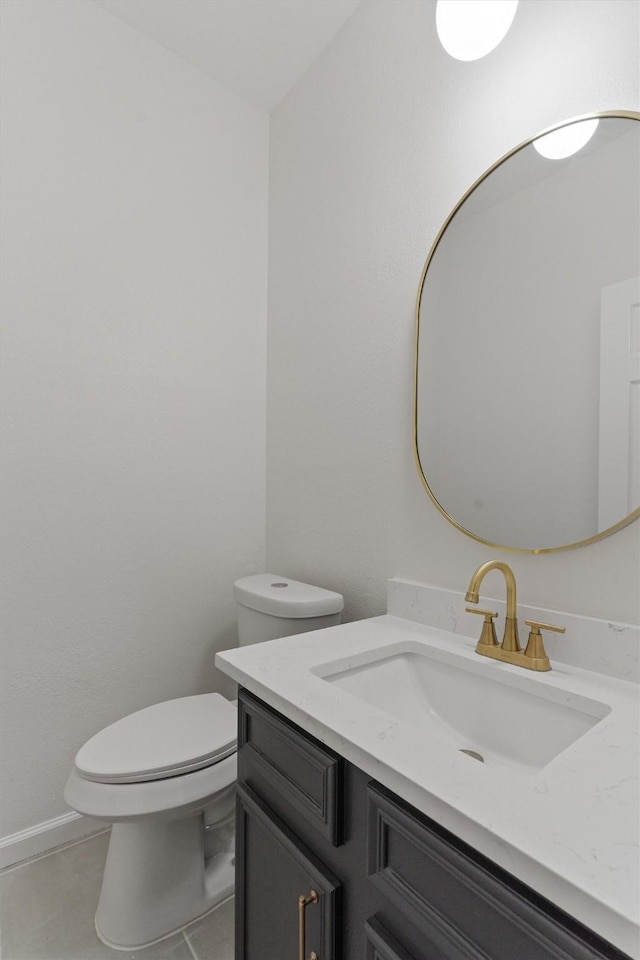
[256, 48]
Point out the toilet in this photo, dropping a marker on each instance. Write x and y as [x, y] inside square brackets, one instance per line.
[164, 777]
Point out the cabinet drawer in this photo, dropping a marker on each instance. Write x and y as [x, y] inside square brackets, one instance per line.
[306, 774]
[461, 902]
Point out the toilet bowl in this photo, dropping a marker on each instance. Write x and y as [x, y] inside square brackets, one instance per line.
[160, 776]
[164, 777]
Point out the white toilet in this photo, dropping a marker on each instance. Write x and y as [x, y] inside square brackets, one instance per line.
[165, 778]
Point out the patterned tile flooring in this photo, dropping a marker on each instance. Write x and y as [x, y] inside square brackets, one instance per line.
[47, 907]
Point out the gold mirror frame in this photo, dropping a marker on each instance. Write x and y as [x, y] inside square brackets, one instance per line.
[635, 514]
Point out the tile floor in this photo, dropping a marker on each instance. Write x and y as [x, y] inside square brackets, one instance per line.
[47, 907]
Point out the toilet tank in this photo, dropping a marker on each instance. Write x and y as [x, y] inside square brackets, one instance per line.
[269, 606]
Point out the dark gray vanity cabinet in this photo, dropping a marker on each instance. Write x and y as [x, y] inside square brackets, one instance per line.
[391, 884]
[308, 798]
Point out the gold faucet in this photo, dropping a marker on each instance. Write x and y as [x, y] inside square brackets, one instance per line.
[534, 657]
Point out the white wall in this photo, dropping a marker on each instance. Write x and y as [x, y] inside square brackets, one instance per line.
[369, 153]
[134, 306]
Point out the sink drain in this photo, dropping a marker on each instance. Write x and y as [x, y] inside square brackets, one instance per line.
[472, 753]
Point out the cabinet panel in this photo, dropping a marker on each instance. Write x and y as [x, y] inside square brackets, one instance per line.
[273, 869]
[463, 908]
[406, 942]
[382, 945]
[306, 773]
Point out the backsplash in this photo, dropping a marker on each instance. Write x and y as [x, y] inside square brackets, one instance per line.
[603, 646]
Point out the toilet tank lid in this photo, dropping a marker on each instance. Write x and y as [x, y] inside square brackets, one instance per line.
[283, 597]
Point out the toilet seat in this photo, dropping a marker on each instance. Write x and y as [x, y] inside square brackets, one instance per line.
[168, 799]
[162, 741]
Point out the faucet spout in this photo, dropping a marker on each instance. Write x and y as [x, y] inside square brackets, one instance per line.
[510, 640]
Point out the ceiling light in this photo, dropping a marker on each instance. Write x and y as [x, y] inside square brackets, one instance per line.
[469, 29]
[562, 143]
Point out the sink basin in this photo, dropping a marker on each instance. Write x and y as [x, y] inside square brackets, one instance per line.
[489, 713]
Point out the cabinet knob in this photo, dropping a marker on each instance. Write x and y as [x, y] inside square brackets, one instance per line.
[303, 903]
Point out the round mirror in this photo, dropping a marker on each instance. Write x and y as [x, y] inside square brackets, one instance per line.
[527, 392]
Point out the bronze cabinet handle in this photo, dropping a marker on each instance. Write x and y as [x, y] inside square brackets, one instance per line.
[303, 903]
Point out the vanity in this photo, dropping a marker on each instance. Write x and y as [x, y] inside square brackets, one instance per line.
[382, 814]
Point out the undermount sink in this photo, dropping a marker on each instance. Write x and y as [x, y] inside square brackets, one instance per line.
[481, 709]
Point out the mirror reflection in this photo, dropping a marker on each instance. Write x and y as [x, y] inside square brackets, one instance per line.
[528, 364]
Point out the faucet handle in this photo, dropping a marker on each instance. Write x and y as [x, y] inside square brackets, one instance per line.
[535, 651]
[488, 636]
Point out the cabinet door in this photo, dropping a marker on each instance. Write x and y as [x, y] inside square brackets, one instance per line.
[273, 870]
[464, 906]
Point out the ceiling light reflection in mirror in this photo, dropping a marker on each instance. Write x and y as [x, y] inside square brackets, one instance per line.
[527, 396]
[568, 140]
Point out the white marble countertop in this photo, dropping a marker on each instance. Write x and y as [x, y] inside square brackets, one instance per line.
[568, 830]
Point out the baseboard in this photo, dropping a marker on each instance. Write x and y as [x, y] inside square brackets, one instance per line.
[43, 837]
